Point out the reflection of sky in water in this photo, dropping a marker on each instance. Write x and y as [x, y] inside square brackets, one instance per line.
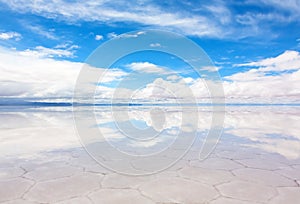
[26, 133]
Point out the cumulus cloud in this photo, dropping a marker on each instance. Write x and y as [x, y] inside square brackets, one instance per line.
[289, 60]
[38, 76]
[271, 80]
[10, 35]
[172, 91]
[259, 85]
[31, 76]
[147, 67]
[42, 76]
[253, 86]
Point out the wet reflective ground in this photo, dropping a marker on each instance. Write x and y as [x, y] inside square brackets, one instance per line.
[257, 159]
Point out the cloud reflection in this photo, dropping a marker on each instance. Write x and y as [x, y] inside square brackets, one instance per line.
[28, 133]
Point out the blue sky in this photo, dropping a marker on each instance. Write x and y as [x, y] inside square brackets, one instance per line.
[250, 42]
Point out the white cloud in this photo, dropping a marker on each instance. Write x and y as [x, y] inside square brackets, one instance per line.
[214, 19]
[147, 67]
[10, 35]
[145, 13]
[155, 45]
[220, 11]
[41, 31]
[31, 76]
[99, 37]
[279, 11]
[256, 85]
[112, 74]
[112, 35]
[289, 60]
[162, 90]
[253, 86]
[260, 22]
[210, 68]
[126, 35]
[36, 76]
[261, 88]
[41, 51]
[292, 6]
[173, 78]
[132, 35]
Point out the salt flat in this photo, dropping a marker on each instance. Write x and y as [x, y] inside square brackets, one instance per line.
[256, 160]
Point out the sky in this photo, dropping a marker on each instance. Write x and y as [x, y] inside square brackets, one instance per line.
[254, 45]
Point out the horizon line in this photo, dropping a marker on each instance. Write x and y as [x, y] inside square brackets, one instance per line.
[69, 104]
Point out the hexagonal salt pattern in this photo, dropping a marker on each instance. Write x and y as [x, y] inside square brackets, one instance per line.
[234, 174]
[222, 200]
[263, 177]
[247, 191]
[216, 180]
[61, 189]
[116, 196]
[178, 190]
[287, 195]
[13, 188]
